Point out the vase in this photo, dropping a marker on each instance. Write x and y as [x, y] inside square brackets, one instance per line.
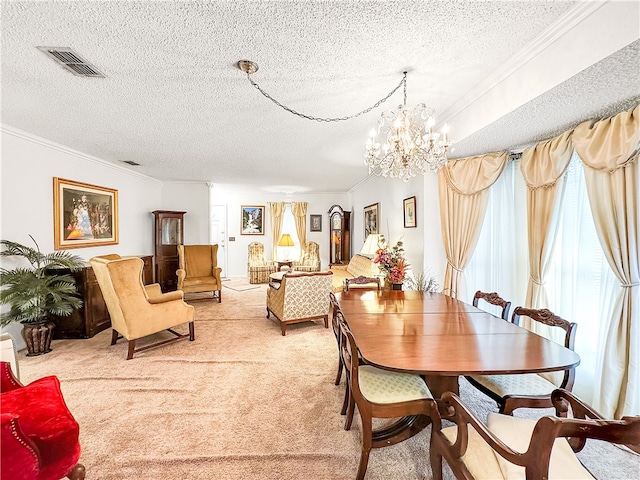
[37, 337]
[396, 286]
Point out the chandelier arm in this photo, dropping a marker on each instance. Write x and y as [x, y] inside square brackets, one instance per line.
[338, 119]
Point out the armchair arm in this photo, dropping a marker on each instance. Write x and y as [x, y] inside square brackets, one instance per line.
[8, 380]
[182, 274]
[463, 418]
[20, 457]
[166, 297]
[338, 267]
[153, 290]
[217, 273]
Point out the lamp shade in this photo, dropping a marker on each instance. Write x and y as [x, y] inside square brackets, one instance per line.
[286, 241]
[372, 244]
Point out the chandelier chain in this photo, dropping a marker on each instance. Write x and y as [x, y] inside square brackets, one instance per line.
[335, 119]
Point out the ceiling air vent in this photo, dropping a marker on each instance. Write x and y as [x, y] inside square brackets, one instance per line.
[131, 162]
[72, 61]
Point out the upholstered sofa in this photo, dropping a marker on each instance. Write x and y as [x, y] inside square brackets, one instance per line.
[359, 265]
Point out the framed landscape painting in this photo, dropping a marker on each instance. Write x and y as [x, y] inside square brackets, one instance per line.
[370, 220]
[84, 215]
[409, 207]
[252, 220]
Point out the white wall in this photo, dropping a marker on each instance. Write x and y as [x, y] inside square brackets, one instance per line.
[237, 249]
[28, 165]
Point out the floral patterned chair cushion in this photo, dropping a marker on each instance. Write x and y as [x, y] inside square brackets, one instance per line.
[310, 261]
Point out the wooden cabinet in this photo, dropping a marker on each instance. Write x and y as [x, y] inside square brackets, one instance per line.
[93, 317]
[169, 233]
[340, 235]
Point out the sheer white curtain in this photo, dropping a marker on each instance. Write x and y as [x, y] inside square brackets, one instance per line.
[581, 285]
[499, 262]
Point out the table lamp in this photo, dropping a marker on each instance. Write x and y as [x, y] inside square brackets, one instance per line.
[372, 244]
[286, 241]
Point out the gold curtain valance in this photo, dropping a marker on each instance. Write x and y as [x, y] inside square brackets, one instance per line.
[470, 175]
[545, 163]
[609, 144]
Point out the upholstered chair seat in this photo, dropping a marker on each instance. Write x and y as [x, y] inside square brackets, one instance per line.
[198, 270]
[527, 384]
[258, 269]
[310, 261]
[300, 297]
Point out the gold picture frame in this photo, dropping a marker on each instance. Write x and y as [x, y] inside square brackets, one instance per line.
[84, 215]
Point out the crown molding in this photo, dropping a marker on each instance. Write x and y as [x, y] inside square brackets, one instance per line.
[557, 30]
[69, 151]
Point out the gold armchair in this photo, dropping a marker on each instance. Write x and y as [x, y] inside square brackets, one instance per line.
[258, 268]
[198, 270]
[300, 297]
[137, 310]
[310, 261]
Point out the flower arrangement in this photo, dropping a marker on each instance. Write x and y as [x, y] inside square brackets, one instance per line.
[392, 262]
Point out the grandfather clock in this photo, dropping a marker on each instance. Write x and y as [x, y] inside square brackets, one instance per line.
[169, 233]
[340, 236]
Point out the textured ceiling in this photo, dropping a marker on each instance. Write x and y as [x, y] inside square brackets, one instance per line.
[174, 102]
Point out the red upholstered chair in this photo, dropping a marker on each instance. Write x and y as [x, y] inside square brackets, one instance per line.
[38, 433]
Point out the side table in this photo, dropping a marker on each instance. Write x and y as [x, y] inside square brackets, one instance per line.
[288, 263]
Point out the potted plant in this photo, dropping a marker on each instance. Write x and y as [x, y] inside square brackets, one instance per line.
[33, 293]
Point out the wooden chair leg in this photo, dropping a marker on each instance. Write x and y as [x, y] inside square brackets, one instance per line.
[339, 374]
[132, 348]
[367, 431]
[436, 463]
[350, 410]
[283, 327]
[219, 296]
[77, 473]
[192, 331]
[114, 336]
[345, 402]
[326, 321]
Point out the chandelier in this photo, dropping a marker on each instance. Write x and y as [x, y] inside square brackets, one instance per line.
[404, 143]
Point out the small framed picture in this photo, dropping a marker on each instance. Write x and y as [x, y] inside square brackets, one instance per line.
[315, 223]
[84, 215]
[370, 219]
[409, 207]
[252, 220]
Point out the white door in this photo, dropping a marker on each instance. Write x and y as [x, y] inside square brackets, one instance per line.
[218, 234]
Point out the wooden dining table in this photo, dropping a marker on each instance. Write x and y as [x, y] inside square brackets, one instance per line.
[440, 338]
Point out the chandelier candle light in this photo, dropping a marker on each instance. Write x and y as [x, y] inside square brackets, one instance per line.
[404, 143]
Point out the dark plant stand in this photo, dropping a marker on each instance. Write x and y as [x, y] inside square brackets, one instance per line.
[38, 337]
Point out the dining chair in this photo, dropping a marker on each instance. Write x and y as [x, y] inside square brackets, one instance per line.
[380, 394]
[508, 447]
[494, 299]
[530, 390]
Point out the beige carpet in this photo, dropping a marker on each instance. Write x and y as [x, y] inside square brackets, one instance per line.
[241, 402]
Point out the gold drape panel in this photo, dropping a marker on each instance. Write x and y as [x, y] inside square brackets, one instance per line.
[463, 190]
[276, 211]
[299, 210]
[609, 151]
[543, 167]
